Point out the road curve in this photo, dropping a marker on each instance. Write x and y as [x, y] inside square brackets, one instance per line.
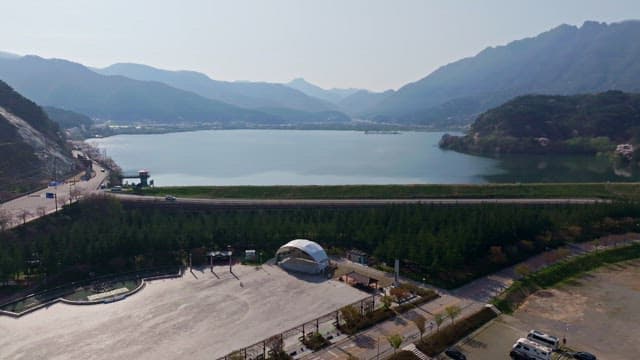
[283, 203]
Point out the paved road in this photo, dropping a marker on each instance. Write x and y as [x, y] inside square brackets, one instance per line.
[276, 203]
[373, 341]
[35, 205]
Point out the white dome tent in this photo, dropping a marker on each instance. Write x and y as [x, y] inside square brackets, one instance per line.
[303, 256]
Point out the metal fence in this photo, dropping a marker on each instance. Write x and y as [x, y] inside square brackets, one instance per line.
[260, 350]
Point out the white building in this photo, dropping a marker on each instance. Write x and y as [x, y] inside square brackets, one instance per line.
[302, 255]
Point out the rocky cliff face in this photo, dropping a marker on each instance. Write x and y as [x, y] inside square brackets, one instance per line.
[32, 148]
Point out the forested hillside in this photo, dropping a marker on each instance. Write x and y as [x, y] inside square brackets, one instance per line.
[30, 143]
[446, 245]
[554, 124]
[67, 119]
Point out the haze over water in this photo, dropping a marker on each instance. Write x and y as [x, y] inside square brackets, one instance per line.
[299, 157]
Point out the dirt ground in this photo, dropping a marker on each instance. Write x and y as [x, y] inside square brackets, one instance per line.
[598, 312]
[201, 315]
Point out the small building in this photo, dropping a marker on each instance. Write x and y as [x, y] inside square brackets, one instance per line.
[625, 150]
[219, 256]
[303, 256]
[361, 281]
[250, 255]
[358, 256]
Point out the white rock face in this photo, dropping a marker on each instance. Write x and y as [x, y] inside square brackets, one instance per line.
[43, 148]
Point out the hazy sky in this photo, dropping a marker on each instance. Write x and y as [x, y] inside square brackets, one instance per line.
[333, 43]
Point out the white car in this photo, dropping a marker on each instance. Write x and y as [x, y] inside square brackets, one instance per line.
[170, 198]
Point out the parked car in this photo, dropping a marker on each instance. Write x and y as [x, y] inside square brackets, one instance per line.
[455, 354]
[530, 350]
[547, 340]
[170, 198]
[581, 355]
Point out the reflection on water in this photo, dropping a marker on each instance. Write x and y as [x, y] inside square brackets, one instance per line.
[560, 168]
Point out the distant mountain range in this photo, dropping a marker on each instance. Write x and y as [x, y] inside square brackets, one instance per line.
[31, 145]
[252, 95]
[72, 86]
[332, 95]
[567, 60]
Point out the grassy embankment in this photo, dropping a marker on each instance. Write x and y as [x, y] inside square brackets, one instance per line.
[535, 190]
[552, 275]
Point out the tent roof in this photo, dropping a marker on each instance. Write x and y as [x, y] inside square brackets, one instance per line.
[309, 247]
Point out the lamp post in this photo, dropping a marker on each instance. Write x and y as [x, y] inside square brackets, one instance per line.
[229, 254]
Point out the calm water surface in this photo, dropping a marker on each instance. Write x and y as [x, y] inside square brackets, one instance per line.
[298, 157]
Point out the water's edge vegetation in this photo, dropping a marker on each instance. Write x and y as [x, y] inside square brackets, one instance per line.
[621, 191]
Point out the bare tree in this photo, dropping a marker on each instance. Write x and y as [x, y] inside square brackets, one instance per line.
[42, 210]
[24, 215]
[420, 322]
[5, 220]
[75, 193]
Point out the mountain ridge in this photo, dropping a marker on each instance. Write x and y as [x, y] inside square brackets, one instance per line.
[564, 60]
[69, 85]
[252, 95]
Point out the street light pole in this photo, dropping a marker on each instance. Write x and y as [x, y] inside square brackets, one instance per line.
[229, 253]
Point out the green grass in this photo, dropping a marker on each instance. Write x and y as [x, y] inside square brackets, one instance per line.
[561, 272]
[533, 190]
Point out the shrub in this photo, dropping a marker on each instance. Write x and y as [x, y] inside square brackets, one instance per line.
[315, 341]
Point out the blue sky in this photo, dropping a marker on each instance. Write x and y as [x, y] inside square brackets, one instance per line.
[334, 43]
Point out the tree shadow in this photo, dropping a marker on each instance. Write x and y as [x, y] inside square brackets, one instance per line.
[365, 341]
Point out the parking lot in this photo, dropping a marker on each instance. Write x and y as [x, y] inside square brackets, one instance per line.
[203, 315]
[598, 313]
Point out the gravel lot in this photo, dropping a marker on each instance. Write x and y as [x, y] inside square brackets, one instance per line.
[201, 315]
[601, 311]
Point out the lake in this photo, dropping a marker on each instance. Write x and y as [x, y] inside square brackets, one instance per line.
[317, 157]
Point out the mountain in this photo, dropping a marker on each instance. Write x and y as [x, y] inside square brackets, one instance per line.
[7, 55]
[332, 95]
[67, 119]
[30, 145]
[357, 103]
[566, 60]
[253, 95]
[72, 86]
[546, 124]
